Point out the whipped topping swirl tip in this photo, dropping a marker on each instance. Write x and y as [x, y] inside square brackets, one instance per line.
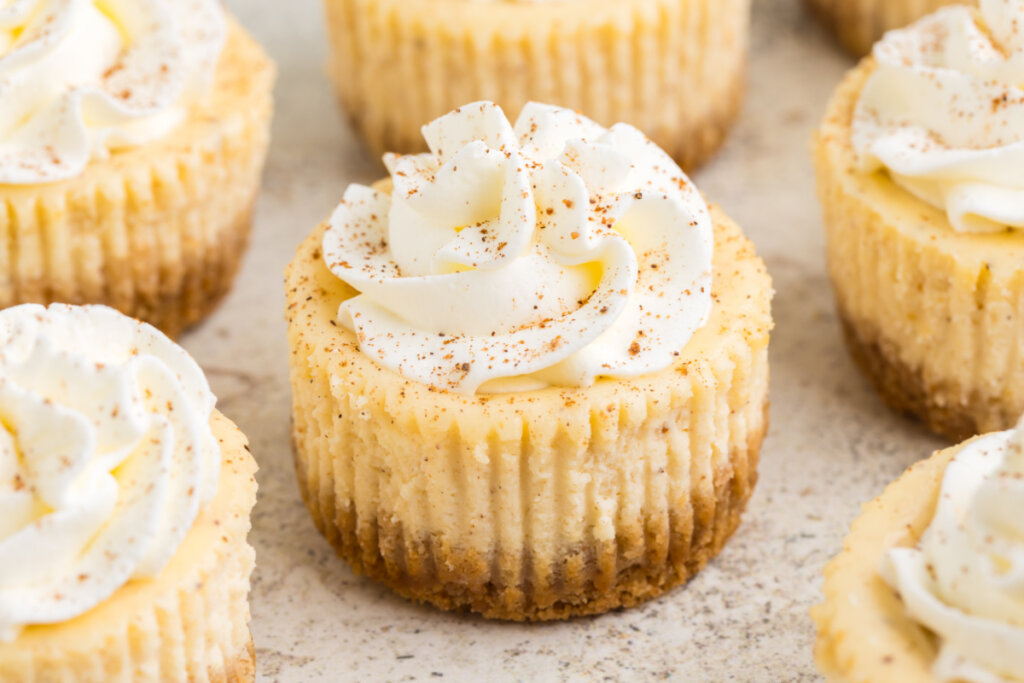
[511, 258]
[943, 112]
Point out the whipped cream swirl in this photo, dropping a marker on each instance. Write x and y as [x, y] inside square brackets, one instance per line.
[106, 454]
[512, 258]
[944, 113]
[965, 579]
[79, 78]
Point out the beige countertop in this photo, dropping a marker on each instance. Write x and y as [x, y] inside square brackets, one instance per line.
[832, 445]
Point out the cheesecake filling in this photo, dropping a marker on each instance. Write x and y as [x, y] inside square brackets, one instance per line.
[106, 456]
[965, 579]
[81, 78]
[943, 113]
[510, 258]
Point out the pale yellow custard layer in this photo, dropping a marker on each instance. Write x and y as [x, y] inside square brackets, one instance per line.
[865, 633]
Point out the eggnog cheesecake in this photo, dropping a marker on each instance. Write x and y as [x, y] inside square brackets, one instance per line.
[673, 68]
[927, 588]
[529, 370]
[858, 24]
[132, 139]
[124, 507]
[919, 170]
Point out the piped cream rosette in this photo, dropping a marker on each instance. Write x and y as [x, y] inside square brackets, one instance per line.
[79, 78]
[106, 454]
[551, 253]
[943, 114]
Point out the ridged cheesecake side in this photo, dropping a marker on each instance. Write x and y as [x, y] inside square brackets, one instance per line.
[673, 68]
[537, 505]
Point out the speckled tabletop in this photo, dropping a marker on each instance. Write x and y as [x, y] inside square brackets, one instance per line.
[832, 444]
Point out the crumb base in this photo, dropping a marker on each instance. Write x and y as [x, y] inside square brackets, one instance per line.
[579, 591]
[949, 410]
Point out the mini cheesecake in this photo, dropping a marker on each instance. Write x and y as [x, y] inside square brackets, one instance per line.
[673, 68]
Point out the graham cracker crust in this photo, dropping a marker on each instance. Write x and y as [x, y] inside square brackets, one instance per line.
[204, 284]
[240, 670]
[952, 411]
[591, 579]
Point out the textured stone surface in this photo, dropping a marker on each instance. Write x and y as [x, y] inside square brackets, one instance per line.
[832, 446]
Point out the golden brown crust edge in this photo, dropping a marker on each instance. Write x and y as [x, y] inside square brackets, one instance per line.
[205, 281]
[370, 551]
[240, 670]
[940, 406]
